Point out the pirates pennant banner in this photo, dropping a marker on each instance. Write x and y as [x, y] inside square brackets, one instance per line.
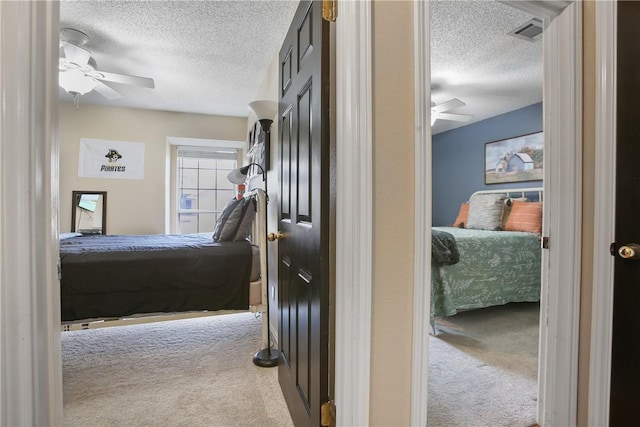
[111, 159]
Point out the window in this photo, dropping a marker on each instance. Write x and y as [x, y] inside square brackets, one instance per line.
[202, 186]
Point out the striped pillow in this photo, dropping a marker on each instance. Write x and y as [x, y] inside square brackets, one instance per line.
[525, 216]
[506, 210]
[485, 211]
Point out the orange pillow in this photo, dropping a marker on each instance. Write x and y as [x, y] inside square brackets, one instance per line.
[506, 210]
[461, 219]
[525, 216]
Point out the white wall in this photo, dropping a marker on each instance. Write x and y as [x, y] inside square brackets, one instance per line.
[133, 206]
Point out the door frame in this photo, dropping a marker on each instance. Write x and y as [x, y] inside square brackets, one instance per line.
[562, 90]
[606, 35]
[30, 352]
[354, 213]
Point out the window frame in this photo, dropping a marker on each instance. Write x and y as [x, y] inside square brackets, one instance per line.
[172, 205]
[198, 181]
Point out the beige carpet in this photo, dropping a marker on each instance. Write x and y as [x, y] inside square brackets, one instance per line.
[194, 372]
[483, 368]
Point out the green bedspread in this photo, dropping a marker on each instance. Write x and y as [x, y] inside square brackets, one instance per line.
[495, 268]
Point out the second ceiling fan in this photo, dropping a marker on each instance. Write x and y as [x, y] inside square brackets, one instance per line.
[441, 111]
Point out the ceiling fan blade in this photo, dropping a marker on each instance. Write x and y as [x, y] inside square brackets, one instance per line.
[126, 79]
[106, 91]
[448, 105]
[455, 117]
[75, 54]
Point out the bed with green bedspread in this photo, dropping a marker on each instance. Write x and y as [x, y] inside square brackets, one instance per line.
[495, 268]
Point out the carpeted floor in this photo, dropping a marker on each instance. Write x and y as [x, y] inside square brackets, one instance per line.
[483, 368]
[194, 372]
[198, 372]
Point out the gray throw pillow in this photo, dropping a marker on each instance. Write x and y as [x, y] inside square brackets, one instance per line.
[485, 211]
[234, 222]
[249, 213]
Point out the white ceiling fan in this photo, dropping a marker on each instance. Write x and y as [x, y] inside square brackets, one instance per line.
[79, 72]
[441, 111]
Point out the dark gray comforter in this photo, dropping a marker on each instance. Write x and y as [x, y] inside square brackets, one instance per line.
[444, 250]
[115, 276]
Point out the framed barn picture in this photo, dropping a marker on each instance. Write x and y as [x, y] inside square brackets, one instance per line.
[516, 159]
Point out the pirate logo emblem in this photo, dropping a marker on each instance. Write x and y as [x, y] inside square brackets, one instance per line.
[113, 155]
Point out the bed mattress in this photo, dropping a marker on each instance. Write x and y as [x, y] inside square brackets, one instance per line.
[495, 268]
[115, 276]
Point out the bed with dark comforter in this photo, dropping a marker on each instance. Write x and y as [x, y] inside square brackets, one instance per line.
[107, 276]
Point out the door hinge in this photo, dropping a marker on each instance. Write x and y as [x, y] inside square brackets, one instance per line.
[328, 414]
[330, 10]
[545, 243]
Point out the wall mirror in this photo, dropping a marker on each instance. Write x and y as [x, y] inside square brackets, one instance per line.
[89, 212]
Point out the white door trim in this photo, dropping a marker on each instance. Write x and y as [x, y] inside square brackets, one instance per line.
[422, 198]
[354, 213]
[561, 281]
[30, 359]
[604, 215]
[558, 361]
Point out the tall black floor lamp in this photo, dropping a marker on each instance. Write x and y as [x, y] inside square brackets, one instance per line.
[265, 111]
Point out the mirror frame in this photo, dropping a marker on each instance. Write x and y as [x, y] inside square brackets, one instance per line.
[74, 205]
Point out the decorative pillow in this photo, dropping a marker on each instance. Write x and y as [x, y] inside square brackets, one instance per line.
[463, 213]
[525, 216]
[244, 228]
[485, 211]
[234, 222]
[506, 210]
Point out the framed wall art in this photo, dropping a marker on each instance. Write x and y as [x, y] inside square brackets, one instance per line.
[257, 150]
[516, 159]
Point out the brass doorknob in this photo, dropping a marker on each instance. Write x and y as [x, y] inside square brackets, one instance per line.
[272, 237]
[629, 251]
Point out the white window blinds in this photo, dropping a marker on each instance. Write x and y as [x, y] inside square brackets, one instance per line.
[208, 153]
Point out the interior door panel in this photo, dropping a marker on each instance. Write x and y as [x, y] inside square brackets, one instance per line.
[625, 371]
[303, 272]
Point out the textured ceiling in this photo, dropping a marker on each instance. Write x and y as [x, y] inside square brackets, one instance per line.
[473, 59]
[211, 56]
[206, 57]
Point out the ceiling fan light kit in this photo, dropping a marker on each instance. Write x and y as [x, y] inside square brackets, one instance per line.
[78, 73]
[76, 83]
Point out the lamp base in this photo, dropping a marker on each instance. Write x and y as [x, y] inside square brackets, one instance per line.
[266, 358]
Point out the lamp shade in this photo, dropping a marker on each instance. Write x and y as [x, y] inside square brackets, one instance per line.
[239, 175]
[264, 109]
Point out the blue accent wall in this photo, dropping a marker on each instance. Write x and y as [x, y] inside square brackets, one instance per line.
[458, 159]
